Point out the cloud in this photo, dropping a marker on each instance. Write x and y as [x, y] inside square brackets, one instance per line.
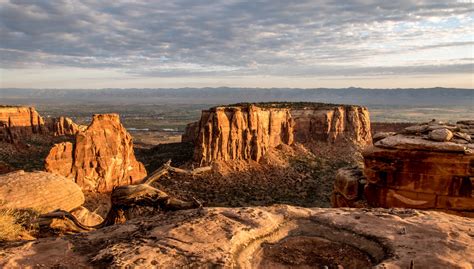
[239, 38]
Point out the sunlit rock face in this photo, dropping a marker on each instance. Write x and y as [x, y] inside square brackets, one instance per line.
[248, 131]
[63, 126]
[418, 169]
[40, 191]
[17, 122]
[101, 157]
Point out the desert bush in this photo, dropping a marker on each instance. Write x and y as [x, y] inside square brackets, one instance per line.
[16, 224]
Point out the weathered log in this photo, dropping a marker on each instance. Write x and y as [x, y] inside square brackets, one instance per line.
[166, 168]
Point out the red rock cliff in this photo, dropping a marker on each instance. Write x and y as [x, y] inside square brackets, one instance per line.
[63, 126]
[247, 131]
[101, 158]
[17, 122]
[429, 166]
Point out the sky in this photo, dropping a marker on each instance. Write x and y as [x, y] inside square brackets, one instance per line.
[259, 43]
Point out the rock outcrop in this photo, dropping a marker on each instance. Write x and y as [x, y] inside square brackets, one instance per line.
[63, 126]
[348, 188]
[248, 131]
[101, 157]
[17, 122]
[428, 166]
[40, 191]
[262, 237]
[191, 132]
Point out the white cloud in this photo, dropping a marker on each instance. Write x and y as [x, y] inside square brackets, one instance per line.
[239, 38]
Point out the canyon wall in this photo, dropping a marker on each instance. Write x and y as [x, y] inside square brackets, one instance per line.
[100, 158]
[248, 131]
[19, 122]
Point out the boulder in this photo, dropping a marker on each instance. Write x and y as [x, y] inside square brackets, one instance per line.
[348, 187]
[381, 135]
[100, 158]
[418, 143]
[40, 191]
[441, 135]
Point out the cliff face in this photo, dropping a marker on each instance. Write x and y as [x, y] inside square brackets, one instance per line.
[247, 131]
[101, 158]
[19, 122]
[418, 169]
[63, 126]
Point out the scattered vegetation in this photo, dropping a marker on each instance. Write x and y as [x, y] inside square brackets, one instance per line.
[16, 224]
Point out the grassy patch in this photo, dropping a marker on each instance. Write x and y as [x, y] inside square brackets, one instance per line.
[16, 224]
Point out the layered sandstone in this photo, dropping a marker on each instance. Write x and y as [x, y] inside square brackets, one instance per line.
[429, 166]
[40, 191]
[248, 131]
[100, 158]
[64, 126]
[262, 237]
[17, 122]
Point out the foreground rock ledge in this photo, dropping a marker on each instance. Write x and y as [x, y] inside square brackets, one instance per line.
[262, 237]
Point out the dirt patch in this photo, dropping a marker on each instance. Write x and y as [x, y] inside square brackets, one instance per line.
[312, 252]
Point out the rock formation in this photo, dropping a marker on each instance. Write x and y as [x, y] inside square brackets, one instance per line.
[428, 166]
[63, 126]
[348, 188]
[262, 237]
[101, 157]
[190, 133]
[17, 122]
[41, 191]
[248, 131]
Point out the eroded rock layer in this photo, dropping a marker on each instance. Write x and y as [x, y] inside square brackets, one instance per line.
[262, 237]
[41, 191]
[101, 157]
[428, 166]
[248, 131]
[17, 122]
[63, 126]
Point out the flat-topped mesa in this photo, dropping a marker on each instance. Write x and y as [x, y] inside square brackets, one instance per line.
[101, 157]
[428, 166]
[248, 131]
[17, 122]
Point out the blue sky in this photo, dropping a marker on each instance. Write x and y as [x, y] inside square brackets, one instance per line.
[261, 43]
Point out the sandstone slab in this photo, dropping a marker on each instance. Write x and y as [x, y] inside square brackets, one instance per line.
[262, 237]
[41, 191]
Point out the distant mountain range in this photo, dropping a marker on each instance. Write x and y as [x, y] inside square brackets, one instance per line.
[223, 95]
